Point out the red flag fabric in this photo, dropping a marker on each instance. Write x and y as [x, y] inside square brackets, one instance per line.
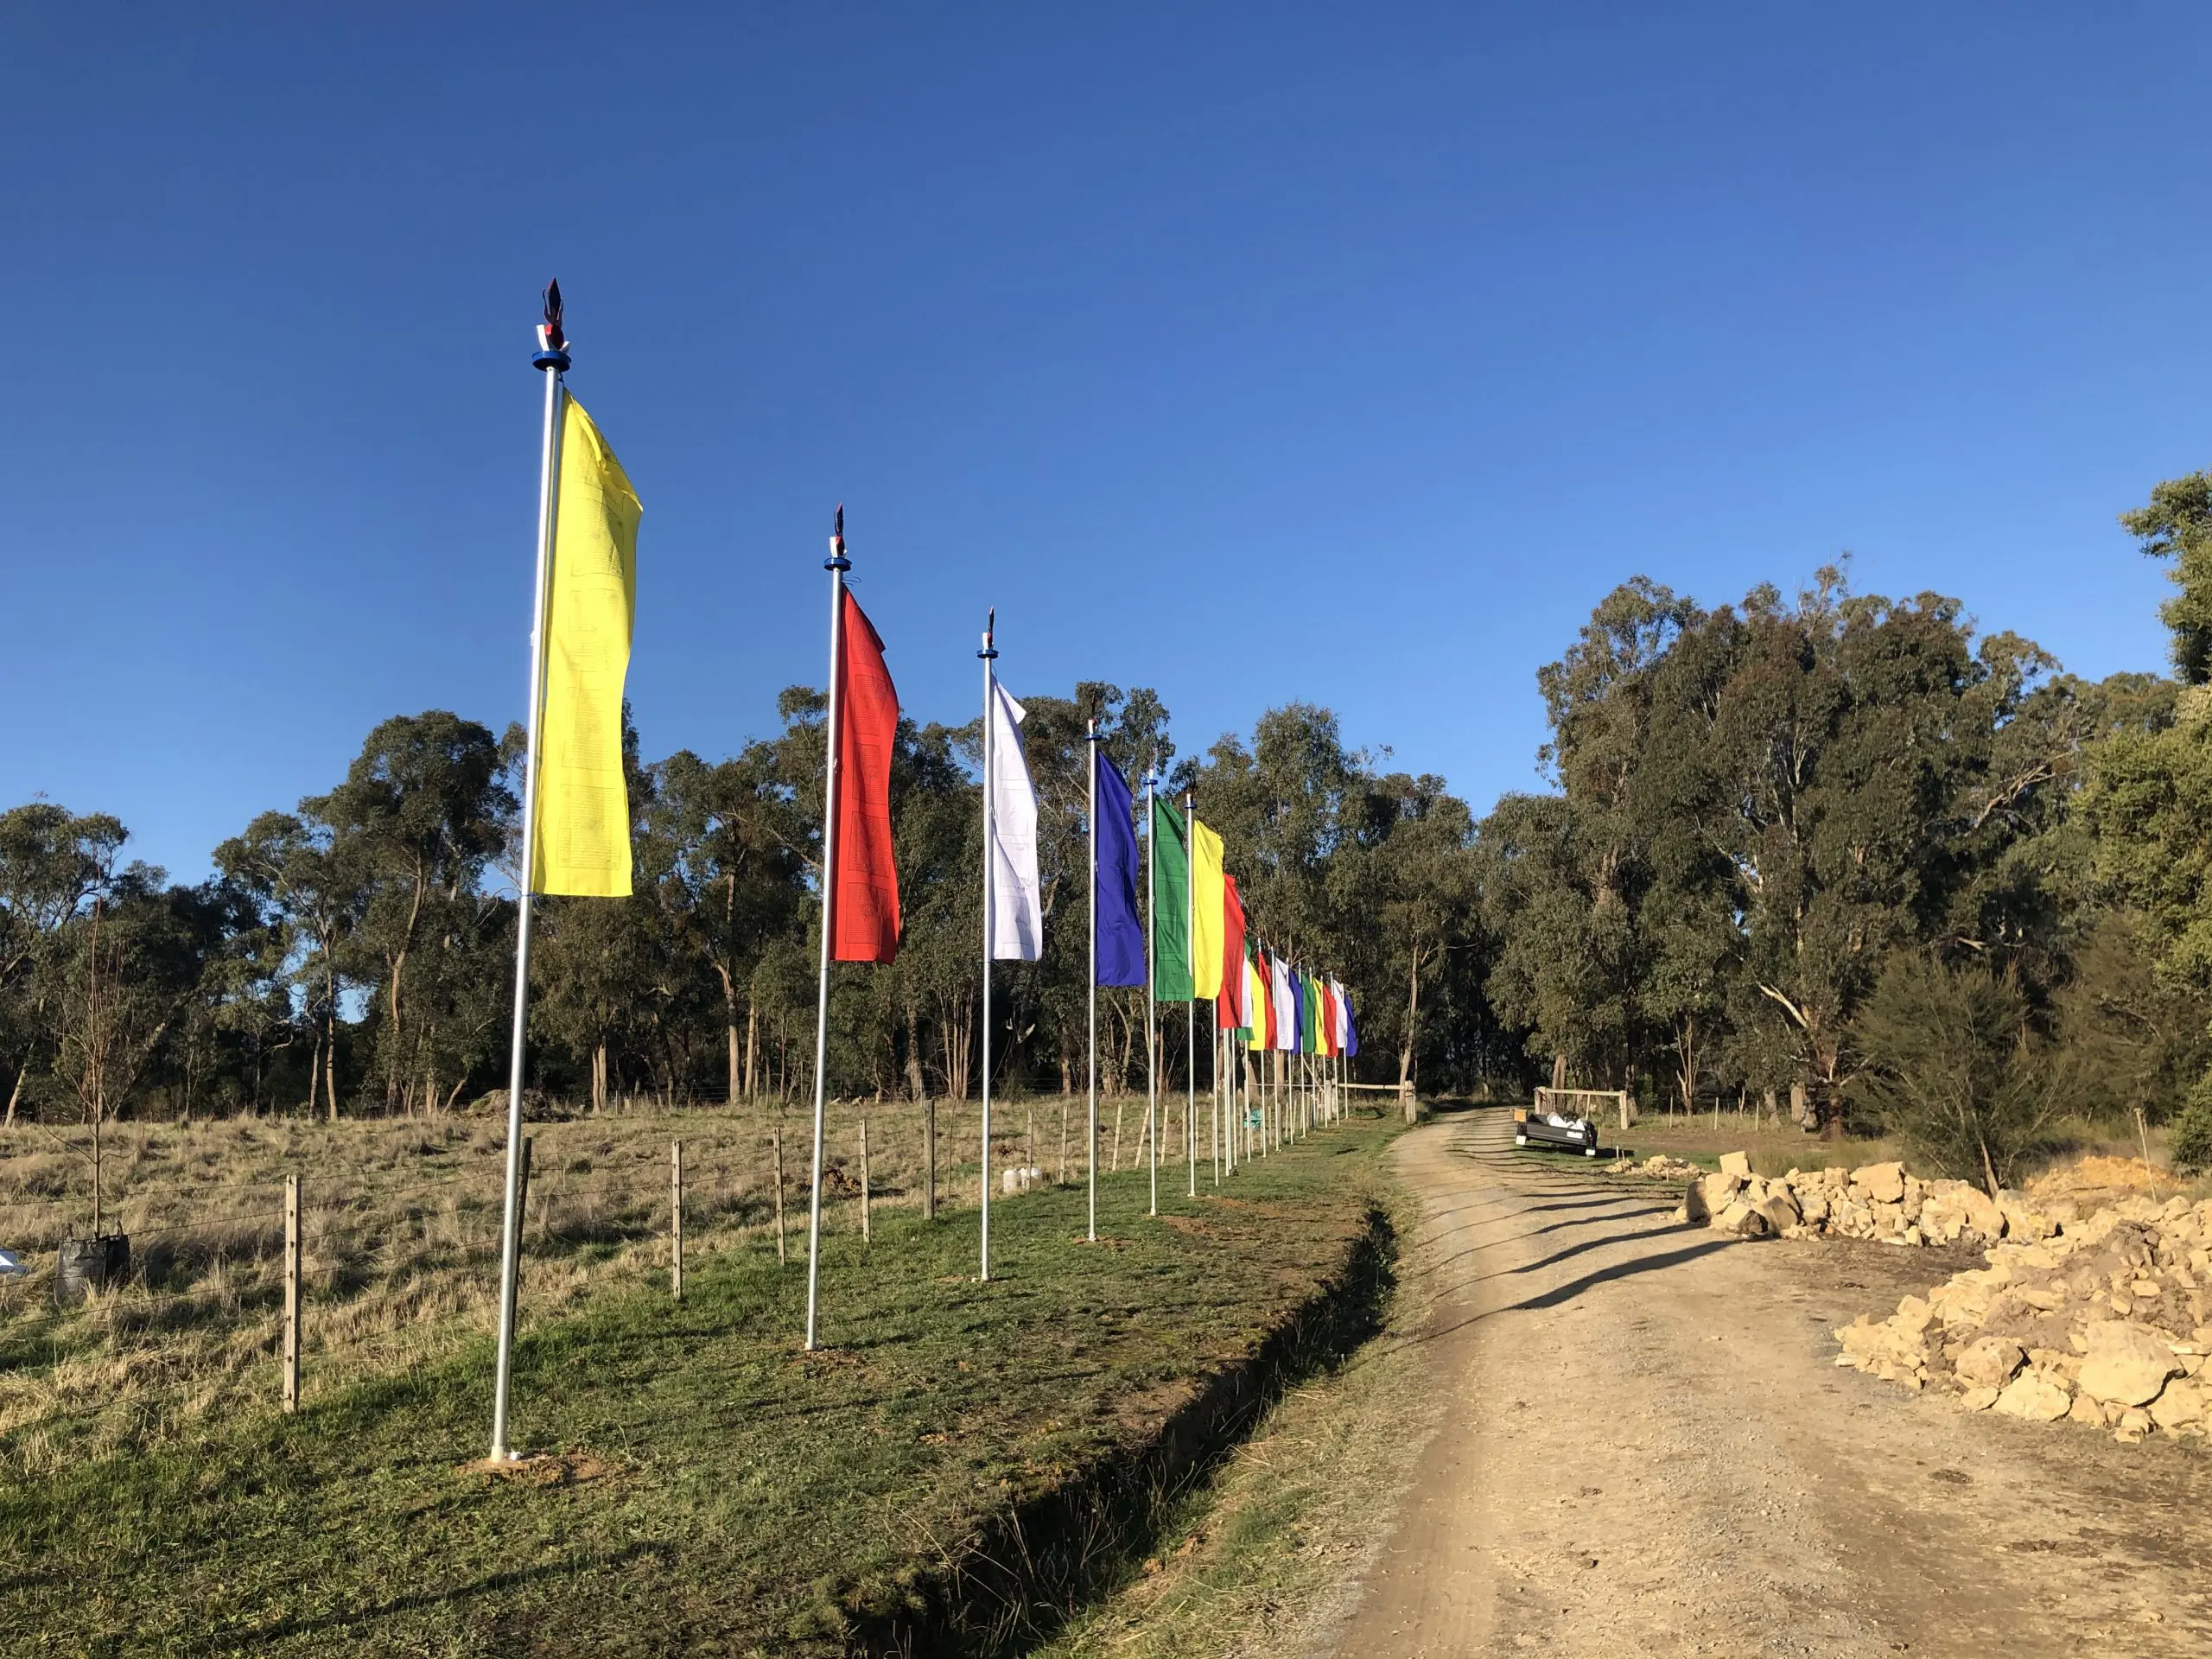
[864, 898]
[1228, 1007]
[1328, 1025]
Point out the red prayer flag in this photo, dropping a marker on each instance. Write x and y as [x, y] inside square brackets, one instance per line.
[864, 898]
[1228, 1007]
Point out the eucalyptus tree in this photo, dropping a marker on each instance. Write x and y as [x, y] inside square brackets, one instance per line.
[2150, 780]
[53, 864]
[311, 900]
[424, 810]
[727, 861]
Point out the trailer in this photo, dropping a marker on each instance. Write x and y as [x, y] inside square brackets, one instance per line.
[1534, 1128]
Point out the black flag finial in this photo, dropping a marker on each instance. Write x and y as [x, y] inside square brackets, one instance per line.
[555, 340]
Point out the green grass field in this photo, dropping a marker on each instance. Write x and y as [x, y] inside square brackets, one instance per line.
[963, 1461]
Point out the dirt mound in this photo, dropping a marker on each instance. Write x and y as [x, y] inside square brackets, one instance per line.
[2098, 1179]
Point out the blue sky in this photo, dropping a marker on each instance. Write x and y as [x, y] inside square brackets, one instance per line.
[1345, 353]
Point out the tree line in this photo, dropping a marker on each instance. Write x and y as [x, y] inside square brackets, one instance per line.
[1839, 850]
[355, 954]
[1831, 849]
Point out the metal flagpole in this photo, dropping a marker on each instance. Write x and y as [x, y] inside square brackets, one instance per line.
[1151, 983]
[552, 360]
[1191, 1010]
[1220, 1064]
[837, 564]
[989, 654]
[1091, 1162]
[1229, 1105]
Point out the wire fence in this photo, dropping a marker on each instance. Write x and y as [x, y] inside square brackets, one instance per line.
[383, 1274]
[223, 1310]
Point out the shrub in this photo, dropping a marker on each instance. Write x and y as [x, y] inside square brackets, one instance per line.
[1952, 1070]
[2192, 1142]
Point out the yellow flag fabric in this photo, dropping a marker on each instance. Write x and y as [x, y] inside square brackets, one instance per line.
[1208, 901]
[581, 841]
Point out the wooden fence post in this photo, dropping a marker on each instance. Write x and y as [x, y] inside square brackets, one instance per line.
[521, 1197]
[676, 1220]
[929, 1157]
[291, 1293]
[867, 1226]
[776, 1139]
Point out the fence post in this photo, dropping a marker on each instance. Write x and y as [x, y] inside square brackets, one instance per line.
[291, 1293]
[867, 1229]
[929, 1157]
[522, 1196]
[676, 1220]
[776, 1139]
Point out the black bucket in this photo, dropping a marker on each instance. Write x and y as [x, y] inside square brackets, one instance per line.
[91, 1264]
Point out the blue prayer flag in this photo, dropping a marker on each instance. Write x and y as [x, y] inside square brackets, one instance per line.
[1114, 883]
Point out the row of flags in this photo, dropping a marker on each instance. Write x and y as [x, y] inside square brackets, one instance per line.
[1200, 947]
[1190, 943]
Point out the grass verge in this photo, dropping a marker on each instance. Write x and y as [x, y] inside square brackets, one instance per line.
[1268, 1559]
[964, 1463]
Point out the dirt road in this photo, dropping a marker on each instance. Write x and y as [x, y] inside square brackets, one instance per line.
[1647, 1448]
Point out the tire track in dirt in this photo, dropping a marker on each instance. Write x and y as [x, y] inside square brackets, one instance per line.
[1647, 1449]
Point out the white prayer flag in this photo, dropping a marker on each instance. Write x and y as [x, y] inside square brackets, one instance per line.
[1017, 897]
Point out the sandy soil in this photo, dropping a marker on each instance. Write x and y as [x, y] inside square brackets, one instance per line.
[1647, 1448]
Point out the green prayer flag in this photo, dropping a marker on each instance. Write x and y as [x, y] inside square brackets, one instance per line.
[1171, 906]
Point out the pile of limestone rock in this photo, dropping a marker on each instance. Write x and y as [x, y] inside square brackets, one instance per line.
[2105, 1322]
[1878, 1201]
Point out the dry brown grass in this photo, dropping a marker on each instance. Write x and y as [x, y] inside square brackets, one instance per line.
[400, 1225]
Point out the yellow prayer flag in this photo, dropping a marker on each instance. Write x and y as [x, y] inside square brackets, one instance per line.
[581, 841]
[1209, 899]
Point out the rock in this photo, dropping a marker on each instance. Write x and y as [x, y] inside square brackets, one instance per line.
[1942, 1219]
[1990, 1362]
[1860, 1337]
[1740, 1219]
[1778, 1212]
[2035, 1397]
[2181, 1403]
[1978, 1399]
[1982, 1215]
[2023, 1220]
[2086, 1411]
[2126, 1364]
[1736, 1163]
[1883, 1182]
[2135, 1424]
[1720, 1191]
[1914, 1315]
